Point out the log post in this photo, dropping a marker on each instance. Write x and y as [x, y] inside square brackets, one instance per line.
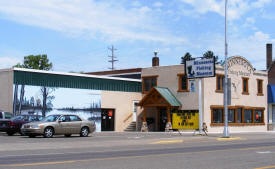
[144, 127]
[168, 126]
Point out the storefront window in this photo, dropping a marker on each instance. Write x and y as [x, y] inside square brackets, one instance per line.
[153, 82]
[248, 116]
[245, 86]
[148, 83]
[258, 116]
[218, 116]
[239, 115]
[183, 83]
[260, 87]
[219, 83]
[231, 115]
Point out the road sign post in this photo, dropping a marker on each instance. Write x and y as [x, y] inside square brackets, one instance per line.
[225, 131]
[200, 68]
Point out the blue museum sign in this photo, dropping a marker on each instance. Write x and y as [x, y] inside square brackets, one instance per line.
[200, 68]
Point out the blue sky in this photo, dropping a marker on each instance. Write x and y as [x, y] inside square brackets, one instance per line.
[75, 34]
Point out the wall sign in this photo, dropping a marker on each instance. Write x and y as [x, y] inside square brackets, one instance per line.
[183, 119]
[200, 68]
[239, 61]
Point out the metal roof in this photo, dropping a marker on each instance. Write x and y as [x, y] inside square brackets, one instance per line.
[168, 96]
[72, 74]
[74, 80]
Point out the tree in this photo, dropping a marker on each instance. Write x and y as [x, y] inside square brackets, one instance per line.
[47, 99]
[187, 56]
[40, 62]
[32, 101]
[210, 54]
[38, 102]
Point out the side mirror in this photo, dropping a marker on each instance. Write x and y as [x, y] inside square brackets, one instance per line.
[59, 120]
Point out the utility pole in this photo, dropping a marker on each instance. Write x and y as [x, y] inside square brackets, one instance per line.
[226, 131]
[113, 60]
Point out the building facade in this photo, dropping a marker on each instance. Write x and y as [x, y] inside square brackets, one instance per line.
[247, 110]
[108, 101]
[156, 98]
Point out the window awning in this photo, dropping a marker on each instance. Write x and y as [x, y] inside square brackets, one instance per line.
[160, 96]
[271, 93]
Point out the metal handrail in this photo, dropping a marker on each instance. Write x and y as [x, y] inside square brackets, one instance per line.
[128, 117]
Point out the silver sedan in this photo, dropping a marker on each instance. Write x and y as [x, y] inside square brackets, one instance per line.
[59, 124]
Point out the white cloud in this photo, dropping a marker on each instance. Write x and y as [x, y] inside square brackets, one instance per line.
[250, 23]
[236, 8]
[250, 20]
[8, 62]
[261, 3]
[204, 6]
[260, 37]
[158, 4]
[136, 4]
[106, 20]
[251, 47]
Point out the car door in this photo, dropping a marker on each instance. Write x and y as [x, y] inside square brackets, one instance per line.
[56, 123]
[75, 124]
[63, 125]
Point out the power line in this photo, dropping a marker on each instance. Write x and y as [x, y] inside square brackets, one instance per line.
[113, 60]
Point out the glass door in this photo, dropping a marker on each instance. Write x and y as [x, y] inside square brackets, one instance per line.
[107, 119]
[162, 119]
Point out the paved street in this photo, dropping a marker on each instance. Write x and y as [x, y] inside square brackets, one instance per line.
[139, 151]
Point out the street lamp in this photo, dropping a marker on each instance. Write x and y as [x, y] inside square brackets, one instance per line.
[226, 131]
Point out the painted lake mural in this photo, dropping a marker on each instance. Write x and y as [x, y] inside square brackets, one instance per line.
[48, 100]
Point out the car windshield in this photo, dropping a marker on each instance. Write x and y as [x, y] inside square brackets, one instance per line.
[34, 118]
[8, 115]
[17, 118]
[51, 118]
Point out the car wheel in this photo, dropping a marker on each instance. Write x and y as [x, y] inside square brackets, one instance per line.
[84, 132]
[22, 134]
[67, 135]
[10, 133]
[48, 132]
[31, 135]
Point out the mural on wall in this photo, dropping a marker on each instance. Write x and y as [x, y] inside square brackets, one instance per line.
[48, 100]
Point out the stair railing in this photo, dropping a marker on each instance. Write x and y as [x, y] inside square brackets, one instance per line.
[128, 117]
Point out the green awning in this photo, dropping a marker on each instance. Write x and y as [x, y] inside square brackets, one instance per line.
[168, 96]
[72, 80]
[159, 97]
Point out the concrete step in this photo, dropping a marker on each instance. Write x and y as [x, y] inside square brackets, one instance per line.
[131, 127]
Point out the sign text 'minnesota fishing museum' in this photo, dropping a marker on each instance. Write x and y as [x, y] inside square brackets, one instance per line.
[200, 68]
[239, 61]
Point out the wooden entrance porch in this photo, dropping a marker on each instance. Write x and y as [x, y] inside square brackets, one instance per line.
[160, 98]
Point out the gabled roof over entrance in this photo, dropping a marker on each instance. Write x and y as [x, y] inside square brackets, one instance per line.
[160, 96]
